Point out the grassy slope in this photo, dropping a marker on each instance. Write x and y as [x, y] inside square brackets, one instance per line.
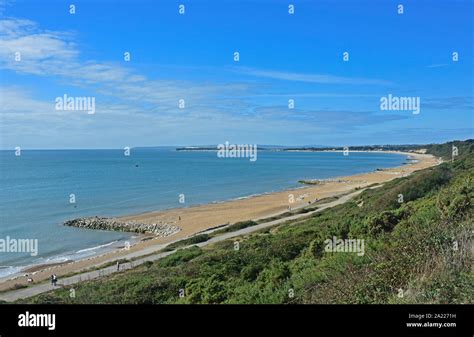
[422, 246]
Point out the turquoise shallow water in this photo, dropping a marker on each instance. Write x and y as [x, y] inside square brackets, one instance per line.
[35, 189]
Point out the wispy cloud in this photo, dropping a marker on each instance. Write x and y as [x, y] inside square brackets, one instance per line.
[4, 4]
[55, 54]
[333, 119]
[453, 102]
[41, 52]
[137, 109]
[425, 135]
[441, 65]
[310, 78]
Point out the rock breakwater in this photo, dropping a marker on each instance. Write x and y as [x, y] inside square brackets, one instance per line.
[112, 224]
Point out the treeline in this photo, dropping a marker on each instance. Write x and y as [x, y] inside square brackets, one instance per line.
[440, 150]
[417, 234]
[445, 151]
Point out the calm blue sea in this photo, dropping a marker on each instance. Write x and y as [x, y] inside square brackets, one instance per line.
[35, 189]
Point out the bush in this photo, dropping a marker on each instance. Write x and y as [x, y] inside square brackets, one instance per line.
[187, 242]
[384, 222]
[235, 227]
[181, 256]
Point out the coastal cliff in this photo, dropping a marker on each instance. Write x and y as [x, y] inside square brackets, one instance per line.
[111, 224]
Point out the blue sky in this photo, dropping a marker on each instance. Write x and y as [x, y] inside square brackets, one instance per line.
[190, 57]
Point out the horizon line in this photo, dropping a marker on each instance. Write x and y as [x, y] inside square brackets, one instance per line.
[204, 146]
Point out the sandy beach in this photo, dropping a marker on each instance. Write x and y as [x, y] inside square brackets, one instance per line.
[199, 218]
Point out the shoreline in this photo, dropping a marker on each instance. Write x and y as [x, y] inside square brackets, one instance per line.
[199, 218]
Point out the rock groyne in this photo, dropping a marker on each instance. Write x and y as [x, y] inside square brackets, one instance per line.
[112, 224]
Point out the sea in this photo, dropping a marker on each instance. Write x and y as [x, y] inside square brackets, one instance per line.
[41, 189]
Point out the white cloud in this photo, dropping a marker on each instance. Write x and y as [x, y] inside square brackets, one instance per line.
[129, 106]
[41, 52]
[311, 78]
[4, 4]
[55, 54]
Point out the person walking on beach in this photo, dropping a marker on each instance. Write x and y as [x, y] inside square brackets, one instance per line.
[118, 266]
[54, 279]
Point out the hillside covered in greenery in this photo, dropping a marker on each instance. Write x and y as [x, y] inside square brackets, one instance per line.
[439, 150]
[416, 251]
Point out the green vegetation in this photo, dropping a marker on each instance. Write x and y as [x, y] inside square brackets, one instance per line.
[235, 227]
[439, 150]
[445, 150]
[416, 251]
[187, 242]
